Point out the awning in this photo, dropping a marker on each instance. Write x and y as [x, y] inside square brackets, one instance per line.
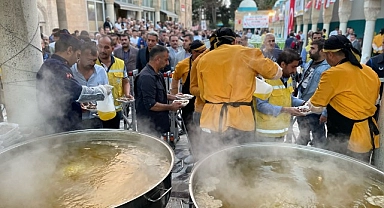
[129, 7]
[148, 8]
[169, 14]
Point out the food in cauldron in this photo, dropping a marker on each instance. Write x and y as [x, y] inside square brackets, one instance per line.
[81, 174]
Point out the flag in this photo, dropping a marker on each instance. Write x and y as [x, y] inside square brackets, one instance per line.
[308, 6]
[291, 14]
[326, 3]
[317, 4]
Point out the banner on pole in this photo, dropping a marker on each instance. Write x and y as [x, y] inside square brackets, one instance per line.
[299, 8]
[203, 25]
[256, 21]
[291, 14]
[317, 4]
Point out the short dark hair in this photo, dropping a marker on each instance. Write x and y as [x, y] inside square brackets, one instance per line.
[84, 38]
[84, 33]
[67, 41]
[317, 33]
[55, 30]
[319, 43]
[173, 36]
[109, 37]
[190, 36]
[153, 33]
[125, 35]
[288, 56]
[156, 50]
[89, 46]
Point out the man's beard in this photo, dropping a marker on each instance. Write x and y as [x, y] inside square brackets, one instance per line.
[89, 67]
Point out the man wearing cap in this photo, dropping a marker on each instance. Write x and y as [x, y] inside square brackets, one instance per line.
[108, 24]
[377, 43]
[58, 93]
[199, 103]
[182, 71]
[226, 80]
[348, 90]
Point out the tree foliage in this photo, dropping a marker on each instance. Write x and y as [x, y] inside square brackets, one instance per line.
[216, 11]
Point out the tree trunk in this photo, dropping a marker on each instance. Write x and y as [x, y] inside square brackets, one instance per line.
[214, 17]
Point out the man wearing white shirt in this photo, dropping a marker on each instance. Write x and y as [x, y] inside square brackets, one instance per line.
[118, 25]
[134, 39]
[187, 40]
[174, 50]
[334, 32]
[87, 73]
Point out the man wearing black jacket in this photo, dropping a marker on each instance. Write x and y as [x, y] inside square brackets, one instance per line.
[143, 55]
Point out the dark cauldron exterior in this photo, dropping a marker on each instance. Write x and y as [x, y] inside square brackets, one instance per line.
[155, 197]
[277, 151]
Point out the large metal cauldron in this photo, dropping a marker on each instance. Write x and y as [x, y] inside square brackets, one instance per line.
[284, 175]
[155, 196]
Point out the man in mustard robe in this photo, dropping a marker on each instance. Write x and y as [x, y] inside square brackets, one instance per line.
[349, 91]
[182, 72]
[226, 79]
[377, 43]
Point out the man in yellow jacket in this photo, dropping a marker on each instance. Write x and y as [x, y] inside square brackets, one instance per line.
[117, 77]
[273, 115]
[226, 80]
[349, 91]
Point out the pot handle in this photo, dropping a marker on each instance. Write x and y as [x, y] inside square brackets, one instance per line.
[156, 200]
[182, 202]
[180, 168]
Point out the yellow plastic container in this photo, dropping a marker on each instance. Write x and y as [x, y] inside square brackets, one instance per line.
[105, 116]
[106, 108]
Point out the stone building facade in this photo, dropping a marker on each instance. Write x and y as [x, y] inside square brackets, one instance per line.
[90, 14]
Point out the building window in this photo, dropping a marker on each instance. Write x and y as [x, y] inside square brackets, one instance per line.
[147, 3]
[95, 10]
[164, 4]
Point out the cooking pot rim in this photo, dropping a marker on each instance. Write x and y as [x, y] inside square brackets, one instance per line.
[51, 136]
[274, 144]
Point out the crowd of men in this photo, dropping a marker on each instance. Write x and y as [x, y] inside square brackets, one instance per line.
[332, 88]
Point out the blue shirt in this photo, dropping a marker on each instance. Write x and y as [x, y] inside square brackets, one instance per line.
[99, 77]
[141, 42]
